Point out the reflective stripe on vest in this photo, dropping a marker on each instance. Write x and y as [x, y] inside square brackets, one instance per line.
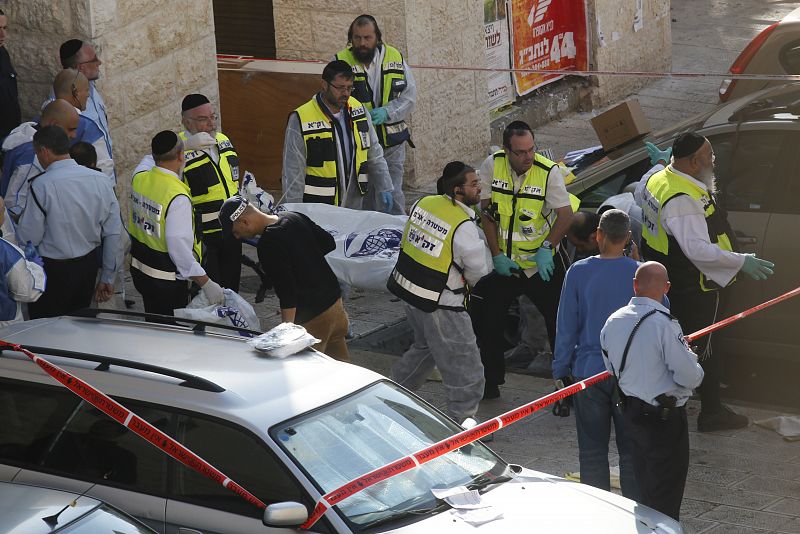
[393, 82]
[322, 169]
[152, 193]
[423, 267]
[659, 246]
[523, 227]
[211, 183]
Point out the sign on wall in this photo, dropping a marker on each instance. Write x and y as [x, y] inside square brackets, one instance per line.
[501, 89]
[547, 35]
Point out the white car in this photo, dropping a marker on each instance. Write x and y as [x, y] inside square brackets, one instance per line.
[288, 430]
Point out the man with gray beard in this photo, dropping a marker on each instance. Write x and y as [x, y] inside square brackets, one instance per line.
[684, 229]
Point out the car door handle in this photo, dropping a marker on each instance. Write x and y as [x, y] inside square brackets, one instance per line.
[746, 239]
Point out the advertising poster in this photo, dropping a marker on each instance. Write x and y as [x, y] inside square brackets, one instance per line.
[547, 35]
[501, 90]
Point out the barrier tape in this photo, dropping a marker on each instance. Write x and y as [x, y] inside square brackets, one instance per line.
[468, 436]
[139, 426]
[561, 72]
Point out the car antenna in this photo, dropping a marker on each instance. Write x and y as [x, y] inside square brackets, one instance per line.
[52, 520]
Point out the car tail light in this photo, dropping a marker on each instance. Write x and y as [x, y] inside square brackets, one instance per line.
[742, 61]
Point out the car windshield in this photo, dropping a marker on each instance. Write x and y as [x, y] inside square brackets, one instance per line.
[370, 429]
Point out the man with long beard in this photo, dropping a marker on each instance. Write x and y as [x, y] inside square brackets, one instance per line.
[683, 229]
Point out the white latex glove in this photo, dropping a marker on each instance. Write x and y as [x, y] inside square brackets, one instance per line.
[213, 292]
[199, 141]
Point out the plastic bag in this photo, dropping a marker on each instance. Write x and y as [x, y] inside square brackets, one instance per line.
[283, 340]
[255, 195]
[235, 312]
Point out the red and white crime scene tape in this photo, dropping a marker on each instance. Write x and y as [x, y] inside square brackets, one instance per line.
[188, 458]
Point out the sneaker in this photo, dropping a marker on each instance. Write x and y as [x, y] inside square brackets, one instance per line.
[491, 391]
[722, 419]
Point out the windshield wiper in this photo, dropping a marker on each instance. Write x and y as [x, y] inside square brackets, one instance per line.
[403, 514]
[488, 478]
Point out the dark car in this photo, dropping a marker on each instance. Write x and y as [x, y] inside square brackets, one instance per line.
[756, 141]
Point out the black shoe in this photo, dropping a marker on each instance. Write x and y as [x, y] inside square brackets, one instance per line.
[491, 391]
[722, 419]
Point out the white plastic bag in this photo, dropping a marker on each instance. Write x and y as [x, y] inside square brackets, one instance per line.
[283, 340]
[235, 312]
[255, 195]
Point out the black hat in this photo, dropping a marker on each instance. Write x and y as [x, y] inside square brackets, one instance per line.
[687, 144]
[163, 142]
[194, 100]
[69, 49]
[230, 211]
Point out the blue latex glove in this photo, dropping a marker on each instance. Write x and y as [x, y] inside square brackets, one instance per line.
[503, 264]
[657, 154]
[757, 268]
[544, 262]
[32, 255]
[378, 116]
[388, 199]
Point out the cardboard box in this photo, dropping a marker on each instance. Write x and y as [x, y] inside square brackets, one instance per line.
[621, 124]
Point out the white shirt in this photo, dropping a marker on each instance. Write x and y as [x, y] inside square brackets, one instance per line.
[471, 254]
[179, 234]
[684, 219]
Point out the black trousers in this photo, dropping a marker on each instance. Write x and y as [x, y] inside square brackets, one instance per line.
[696, 310]
[222, 260]
[70, 286]
[160, 296]
[488, 307]
[660, 453]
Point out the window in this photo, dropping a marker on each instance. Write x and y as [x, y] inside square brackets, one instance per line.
[242, 457]
[789, 57]
[613, 185]
[30, 418]
[94, 447]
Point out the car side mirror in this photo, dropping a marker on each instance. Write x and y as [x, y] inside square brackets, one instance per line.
[285, 514]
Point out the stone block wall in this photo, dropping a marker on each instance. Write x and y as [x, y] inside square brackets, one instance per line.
[451, 121]
[624, 49]
[154, 52]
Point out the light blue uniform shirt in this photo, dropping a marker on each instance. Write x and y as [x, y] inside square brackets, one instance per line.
[659, 360]
[76, 212]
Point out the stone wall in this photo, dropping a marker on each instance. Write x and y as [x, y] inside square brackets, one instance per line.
[154, 52]
[622, 48]
[451, 120]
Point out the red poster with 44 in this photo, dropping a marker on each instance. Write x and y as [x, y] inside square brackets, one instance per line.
[547, 35]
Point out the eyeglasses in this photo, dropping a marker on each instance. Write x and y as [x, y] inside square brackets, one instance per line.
[529, 152]
[212, 118]
[95, 59]
[342, 88]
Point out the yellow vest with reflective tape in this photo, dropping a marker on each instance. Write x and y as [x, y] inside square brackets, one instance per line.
[393, 82]
[322, 170]
[152, 193]
[423, 267]
[211, 183]
[659, 246]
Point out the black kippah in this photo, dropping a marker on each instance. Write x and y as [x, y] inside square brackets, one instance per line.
[452, 169]
[69, 48]
[163, 142]
[687, 144]
[193, 100]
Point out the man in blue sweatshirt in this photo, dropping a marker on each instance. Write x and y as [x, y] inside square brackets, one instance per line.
[594, 288]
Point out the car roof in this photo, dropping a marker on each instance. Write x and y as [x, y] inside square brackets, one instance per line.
[257, 390]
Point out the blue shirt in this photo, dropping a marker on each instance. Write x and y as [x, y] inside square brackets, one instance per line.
[659, 360]
[75, 211]
[594, 288]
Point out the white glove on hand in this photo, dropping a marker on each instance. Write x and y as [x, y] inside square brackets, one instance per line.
[199, 141]
[213, 292]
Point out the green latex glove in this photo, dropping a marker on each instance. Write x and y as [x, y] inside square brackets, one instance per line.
[503, 264]
[656, 154]
[378, 116]
[544, 262]
[757, 268]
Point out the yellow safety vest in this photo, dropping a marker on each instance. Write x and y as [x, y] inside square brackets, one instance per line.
[659, 246]
[152, 193]
[211, 183]
[322, 170]
[423, 266]
[393, 82]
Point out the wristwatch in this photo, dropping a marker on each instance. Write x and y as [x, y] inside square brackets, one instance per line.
[546, 244]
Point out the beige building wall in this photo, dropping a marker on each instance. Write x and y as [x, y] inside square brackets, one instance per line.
[451, 121]
[154, 52]
[618, 47]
